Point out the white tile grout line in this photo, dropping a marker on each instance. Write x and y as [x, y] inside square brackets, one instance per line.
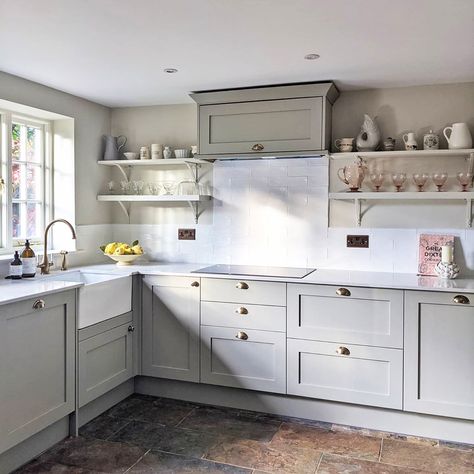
[137, 461]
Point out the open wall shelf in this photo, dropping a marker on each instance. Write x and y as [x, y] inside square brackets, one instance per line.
[403, 154]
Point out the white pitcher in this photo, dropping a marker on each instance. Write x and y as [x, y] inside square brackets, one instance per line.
[460, 136]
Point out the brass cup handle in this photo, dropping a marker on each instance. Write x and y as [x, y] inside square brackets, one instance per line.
[242, 286]
[343, 292]
[343, 351]
[242, 310]
[131, 328]
[242, 335]
[258, 147]
[461, 299]
[39, 304]
[195, 284]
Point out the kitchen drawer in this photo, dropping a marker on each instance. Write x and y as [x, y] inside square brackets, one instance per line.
[255, 363]
[368, 316]
[249, 316]
[243, 291]
[366, 375]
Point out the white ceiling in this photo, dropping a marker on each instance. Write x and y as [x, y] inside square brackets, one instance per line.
[114, 51]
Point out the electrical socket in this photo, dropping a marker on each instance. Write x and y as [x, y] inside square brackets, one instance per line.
[358, 241]
[186, 234]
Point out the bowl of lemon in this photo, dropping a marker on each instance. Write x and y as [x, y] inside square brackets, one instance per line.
[122, 253]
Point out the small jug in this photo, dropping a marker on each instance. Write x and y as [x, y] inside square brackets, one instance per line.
[410, 141]
[460, 136]
[353, 175]
[112, 146]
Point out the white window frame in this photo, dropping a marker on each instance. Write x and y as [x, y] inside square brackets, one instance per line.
[8, 117]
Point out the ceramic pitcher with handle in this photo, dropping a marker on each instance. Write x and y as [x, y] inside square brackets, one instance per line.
[353, 175]
[459, 137]
[113, 145]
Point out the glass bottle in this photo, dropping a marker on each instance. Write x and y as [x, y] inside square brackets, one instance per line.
[28, 258]
[16, 267]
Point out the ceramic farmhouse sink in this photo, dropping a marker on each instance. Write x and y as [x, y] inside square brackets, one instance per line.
[102, 296]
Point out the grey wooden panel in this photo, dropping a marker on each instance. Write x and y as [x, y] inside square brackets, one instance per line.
[439, 354]
[104, 326]
[369, 316]
[105, 361]
[258, 363]
[170, 328]
[250, 316]
[258, 292]
[278, 125]
[37, 365]
[368, 376]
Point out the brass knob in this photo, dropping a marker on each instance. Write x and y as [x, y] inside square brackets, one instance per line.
[258, 147]
[242, 310]
[39, 304]
[195, 284]
[343, 292]
[131, 328]
[242, 335]
[461, 299]
[242, 286]
[343, 351]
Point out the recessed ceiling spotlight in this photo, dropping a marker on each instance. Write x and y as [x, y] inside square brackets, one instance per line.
[170, 70]
[311, 56]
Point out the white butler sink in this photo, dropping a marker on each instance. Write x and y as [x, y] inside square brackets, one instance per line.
[102, 296]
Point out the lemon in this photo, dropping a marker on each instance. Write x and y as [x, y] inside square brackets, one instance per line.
[137, 249]
[119, 251]
[110, 248]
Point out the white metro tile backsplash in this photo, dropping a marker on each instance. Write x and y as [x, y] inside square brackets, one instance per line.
[275, 212]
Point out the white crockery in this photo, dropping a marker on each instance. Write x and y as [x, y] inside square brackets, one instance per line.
[130, 155]
[460, 136]
[182, 153]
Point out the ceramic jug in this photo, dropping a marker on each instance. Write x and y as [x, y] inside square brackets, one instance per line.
[369, 135]
[353, 175]
[113, 147]
[410, 141]
[460, 136]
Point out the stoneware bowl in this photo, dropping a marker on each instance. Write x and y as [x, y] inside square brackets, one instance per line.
[182, 153]
[130, 155]
[123, 259]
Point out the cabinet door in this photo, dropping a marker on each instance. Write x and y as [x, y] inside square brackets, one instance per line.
[105, 361]
[367, 316]
[439, 354]
[277, 125]
[361, 374]
[257, 362]
[170, 328]
[37, 369]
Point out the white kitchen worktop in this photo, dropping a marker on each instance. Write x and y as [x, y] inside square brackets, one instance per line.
[11, 291]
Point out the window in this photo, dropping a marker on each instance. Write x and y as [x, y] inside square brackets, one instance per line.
[26, 167]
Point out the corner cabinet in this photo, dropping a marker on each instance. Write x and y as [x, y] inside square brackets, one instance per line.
[439, 353]
[37, 368]
[259, 121]
[170, 327]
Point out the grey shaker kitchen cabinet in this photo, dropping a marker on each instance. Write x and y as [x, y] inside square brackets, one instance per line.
[439, 353]
[170, 327]
[105, 358]
[243, 358]
[37, 365]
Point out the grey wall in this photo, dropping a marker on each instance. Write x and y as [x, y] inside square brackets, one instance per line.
[91, 122]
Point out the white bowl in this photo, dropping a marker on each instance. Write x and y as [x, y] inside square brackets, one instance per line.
[123, 259]
[130, 155]
[182, 153]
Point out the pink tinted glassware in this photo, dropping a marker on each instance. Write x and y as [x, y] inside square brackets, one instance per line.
[465, 180]
[398, 180]
[439, 179]
[377, 179]
[420, 180]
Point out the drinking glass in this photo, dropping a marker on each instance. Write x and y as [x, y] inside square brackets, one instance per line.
[154, 188]
[377, 179]
[420, 180]
[398, 180]
[125, 187]
[439, 179]
[168, 187]
[465, 180]
[137, 187]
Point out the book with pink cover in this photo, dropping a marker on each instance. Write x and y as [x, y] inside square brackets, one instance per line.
[429, 254]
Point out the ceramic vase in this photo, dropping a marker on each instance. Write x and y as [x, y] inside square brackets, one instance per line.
[447, 270]
[113, 145]
[369, 135]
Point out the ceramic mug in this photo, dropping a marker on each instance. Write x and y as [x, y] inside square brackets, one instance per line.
[344, 144]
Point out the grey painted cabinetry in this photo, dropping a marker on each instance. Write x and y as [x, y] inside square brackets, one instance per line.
[170, 327]
[346, 344]
[37, 367]
[105, 357]
[439, 353]
[280, 119]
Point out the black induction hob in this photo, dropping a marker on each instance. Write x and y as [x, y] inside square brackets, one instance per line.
[259, 271]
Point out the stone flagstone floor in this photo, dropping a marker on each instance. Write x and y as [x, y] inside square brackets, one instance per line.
[146, 434]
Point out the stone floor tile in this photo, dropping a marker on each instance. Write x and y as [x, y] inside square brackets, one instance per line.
[94, 454]
[172, 440]
[102, 427]
[333, 464]
[230, 423]
[38, 467]
[454, 445]
[304, 436]
[260, 456]
[439, 459]
[159, 462]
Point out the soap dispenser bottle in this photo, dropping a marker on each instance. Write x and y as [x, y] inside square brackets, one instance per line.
[16, 267]
[28, 259]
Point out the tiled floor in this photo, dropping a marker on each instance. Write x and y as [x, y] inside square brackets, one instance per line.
[146, 435]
